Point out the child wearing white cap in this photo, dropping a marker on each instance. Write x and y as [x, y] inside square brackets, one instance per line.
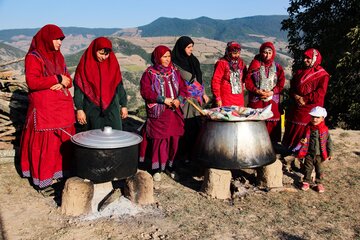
[316, 148]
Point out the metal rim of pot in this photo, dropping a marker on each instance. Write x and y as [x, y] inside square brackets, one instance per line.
[106, 138]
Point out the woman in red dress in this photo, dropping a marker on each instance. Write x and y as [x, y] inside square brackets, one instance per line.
[227, 84]
[307, 90]
[265, 81]
[163, 90]
[45, 147]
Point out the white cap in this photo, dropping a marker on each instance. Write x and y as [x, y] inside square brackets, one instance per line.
[318, 112]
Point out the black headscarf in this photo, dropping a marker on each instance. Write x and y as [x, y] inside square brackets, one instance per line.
[181, 59]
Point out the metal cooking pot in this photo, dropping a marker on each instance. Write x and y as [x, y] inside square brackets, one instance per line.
[106, 155]
[234, 145]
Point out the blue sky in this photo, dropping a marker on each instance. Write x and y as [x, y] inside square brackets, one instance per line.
[123, 13]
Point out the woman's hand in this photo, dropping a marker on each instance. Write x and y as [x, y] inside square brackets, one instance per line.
[65, 80]
[206, 98]
[260, 92]
[168, 102]
[57, 86]
[124, 113]
[81, 117]
[176, 103]
[299, 100]
[219, 103]
[267, 94]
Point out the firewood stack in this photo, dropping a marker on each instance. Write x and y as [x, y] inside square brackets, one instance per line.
[13, 105]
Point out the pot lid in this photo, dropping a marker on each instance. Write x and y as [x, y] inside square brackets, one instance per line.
[106, 138]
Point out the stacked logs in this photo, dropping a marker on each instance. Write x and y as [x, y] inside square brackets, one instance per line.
[13, 105]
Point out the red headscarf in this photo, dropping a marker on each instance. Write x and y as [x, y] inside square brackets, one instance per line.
[42, 43]
[315, 55]
[256, 63]
[230, 48]
[156, 55]
[158, 52]
[98, 80]
[305, 73]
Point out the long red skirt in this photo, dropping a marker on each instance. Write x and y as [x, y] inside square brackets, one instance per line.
[163, 152]
[293, 134]
[45, 155]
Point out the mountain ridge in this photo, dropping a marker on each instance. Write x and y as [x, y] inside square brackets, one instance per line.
[217, 29]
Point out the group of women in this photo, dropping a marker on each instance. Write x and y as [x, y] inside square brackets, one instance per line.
[168, 86]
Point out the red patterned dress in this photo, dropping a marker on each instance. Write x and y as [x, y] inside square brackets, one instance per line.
[310, 84]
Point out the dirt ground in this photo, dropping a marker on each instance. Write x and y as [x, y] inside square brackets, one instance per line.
[182, 212]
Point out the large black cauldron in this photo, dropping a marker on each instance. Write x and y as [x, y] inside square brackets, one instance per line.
[106, 155]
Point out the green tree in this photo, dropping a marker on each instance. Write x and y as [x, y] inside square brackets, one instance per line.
[331, 26]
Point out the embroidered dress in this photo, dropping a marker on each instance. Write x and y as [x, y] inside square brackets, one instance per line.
[45, 150]
[235, 81]
[227, 83]
[164, 125]
[268, 76]
[311, 84]
[267, 81]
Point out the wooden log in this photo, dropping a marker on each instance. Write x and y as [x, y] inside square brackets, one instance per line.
[11, 81]
[5, 123]
[6, 106]
[4, 145]
[13, 96]
[140, 188]
[6, 74]
[8, 132]
[4, 116]
[8, 138]
[77, 196]
[217, 183]
[11, 62]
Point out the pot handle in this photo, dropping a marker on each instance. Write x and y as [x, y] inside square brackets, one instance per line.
[66, 132]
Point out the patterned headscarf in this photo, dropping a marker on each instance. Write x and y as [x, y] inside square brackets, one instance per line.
[314, 55]
[230, 48]
[314, 71]
[156, 55]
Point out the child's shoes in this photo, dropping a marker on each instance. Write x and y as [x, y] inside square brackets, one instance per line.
[320, 188]
[305, 186]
